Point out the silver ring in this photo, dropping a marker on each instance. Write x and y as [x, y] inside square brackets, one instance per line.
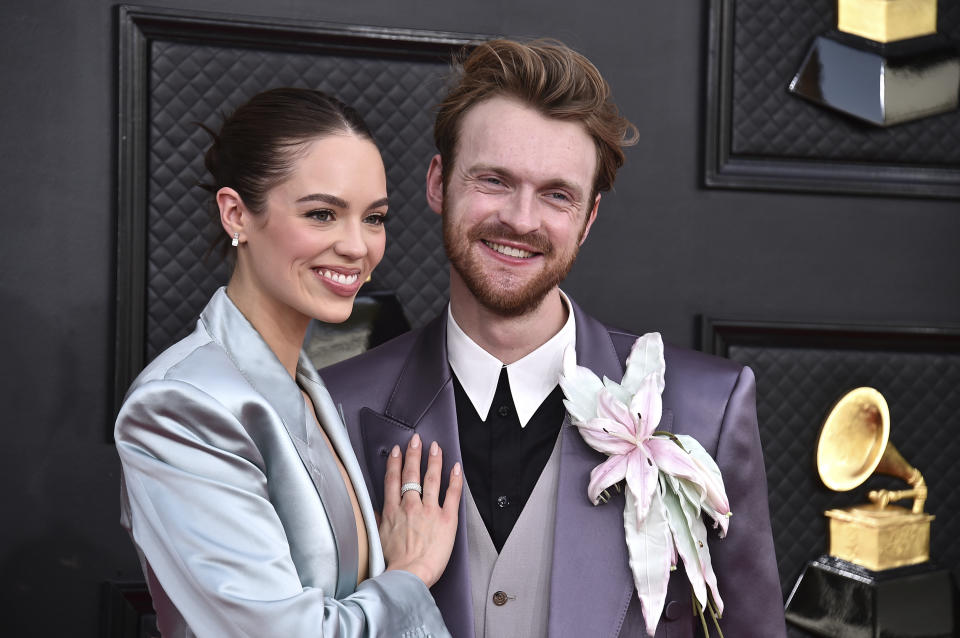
[407, 487]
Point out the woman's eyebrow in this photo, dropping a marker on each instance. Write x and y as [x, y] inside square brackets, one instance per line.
[326, 198]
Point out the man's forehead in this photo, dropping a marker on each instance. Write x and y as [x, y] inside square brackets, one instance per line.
[505, 132]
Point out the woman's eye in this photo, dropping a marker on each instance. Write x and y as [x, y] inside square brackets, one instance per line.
[321, 215]
[376, 219]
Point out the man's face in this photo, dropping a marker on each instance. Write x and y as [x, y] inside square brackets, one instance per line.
[516, 205]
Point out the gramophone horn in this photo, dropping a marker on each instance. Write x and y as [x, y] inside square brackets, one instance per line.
[854, 444]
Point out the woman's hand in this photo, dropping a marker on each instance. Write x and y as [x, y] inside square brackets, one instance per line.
[417, 534]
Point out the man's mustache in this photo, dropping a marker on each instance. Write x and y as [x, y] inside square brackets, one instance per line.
[494, 232]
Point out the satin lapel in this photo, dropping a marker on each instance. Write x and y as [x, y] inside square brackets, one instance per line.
[423, 401]
[332, 424]
[590, 583]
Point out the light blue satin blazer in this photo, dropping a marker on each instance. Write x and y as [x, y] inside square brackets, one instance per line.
[236, 506]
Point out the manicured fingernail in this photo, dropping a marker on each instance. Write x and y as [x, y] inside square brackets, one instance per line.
[456, 469]
[434, 448]
[415, 441]
[395, 452]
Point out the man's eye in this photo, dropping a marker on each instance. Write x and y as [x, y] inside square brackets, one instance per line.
[560, 197]
[376, 219]
[321, 215]
[493, 180]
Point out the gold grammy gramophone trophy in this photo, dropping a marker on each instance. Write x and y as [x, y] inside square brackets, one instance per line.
[854, 444]
[877, 579]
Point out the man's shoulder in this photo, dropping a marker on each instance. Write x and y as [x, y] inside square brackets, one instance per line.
[679, 360]
[374, 372]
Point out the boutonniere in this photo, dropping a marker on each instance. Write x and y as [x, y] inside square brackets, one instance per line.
[670, 479]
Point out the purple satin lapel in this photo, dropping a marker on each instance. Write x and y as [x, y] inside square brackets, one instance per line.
[423, 402]
[590, 587]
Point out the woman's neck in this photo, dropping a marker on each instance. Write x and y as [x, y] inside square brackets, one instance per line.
[282, 328]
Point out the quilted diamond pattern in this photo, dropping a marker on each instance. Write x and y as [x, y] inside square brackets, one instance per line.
[191, 83]
[796, 387]
[770, 40]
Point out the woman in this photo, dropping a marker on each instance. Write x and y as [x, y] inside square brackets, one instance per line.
[240, 489]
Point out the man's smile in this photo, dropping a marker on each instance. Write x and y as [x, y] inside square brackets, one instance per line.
[509, 251]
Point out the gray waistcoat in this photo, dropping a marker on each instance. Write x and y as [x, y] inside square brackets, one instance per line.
[522, 569]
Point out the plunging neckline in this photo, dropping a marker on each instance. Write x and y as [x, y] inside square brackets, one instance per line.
[363, 542]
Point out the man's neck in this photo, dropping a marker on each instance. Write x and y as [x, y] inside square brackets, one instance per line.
[506, 338]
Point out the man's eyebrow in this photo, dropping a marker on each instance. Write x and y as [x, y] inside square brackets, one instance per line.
[558, 182]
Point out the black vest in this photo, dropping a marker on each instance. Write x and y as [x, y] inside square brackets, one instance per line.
[501, 460]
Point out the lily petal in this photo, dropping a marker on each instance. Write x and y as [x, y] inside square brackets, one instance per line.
[680, 515]
[608, 473]
[699, 532]
[607, 436]
[620, 393]
[715, 502]
[649, 548]
[581, 388]
[609, 407]
[641, 479]
[646, 357]
[648, 404]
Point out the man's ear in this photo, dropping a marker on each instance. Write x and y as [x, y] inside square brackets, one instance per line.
[435, 184]
[233, 215]
[592, 217]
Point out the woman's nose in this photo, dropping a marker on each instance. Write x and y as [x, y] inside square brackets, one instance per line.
[350, 242]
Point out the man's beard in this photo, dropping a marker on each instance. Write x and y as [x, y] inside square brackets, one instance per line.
[503, 295]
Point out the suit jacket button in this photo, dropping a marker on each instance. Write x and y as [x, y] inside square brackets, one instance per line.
[499, 598]
[673, 610]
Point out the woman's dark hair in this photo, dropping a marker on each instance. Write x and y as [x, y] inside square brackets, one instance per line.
[259, 143]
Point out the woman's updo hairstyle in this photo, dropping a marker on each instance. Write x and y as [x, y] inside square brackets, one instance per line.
[259, 143]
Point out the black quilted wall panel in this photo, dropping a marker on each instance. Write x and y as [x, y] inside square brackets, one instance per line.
[796, 386]
[770, 40]
[192, 83]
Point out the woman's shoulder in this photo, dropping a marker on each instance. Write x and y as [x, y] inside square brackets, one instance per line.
[197, 360]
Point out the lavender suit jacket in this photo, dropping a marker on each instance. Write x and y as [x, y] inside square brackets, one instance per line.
[404, 386]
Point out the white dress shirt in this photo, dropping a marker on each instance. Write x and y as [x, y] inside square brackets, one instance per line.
[532, 378]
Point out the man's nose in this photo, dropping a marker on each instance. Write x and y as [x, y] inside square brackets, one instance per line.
[521, 214]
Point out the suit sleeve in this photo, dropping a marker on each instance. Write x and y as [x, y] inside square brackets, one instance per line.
[744, 561]
[196, 500]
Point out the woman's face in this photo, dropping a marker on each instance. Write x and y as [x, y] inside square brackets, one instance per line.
[321, 233]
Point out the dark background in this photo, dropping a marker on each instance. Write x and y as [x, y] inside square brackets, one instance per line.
[664, 250]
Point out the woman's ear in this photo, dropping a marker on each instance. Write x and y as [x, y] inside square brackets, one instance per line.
[233, 215]
[435, 185]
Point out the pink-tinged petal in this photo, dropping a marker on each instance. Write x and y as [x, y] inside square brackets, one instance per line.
[715, 493]
[609, 437]
[641, 479]
[648, 404]
[648, 546]
[605, 475]
[646, 358]
[674, 460]
[608, 407]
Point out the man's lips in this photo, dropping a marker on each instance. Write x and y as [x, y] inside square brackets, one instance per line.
[509, 251]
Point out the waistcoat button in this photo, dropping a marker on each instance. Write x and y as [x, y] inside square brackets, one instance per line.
[499, 599]
[502, 501]
[504, 410]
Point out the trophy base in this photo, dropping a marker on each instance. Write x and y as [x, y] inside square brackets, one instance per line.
[879, 538]
[834, 597]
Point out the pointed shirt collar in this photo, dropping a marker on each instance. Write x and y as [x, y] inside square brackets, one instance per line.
[532, 378]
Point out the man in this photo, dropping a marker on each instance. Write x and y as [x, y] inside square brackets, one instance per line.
[527, 140]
